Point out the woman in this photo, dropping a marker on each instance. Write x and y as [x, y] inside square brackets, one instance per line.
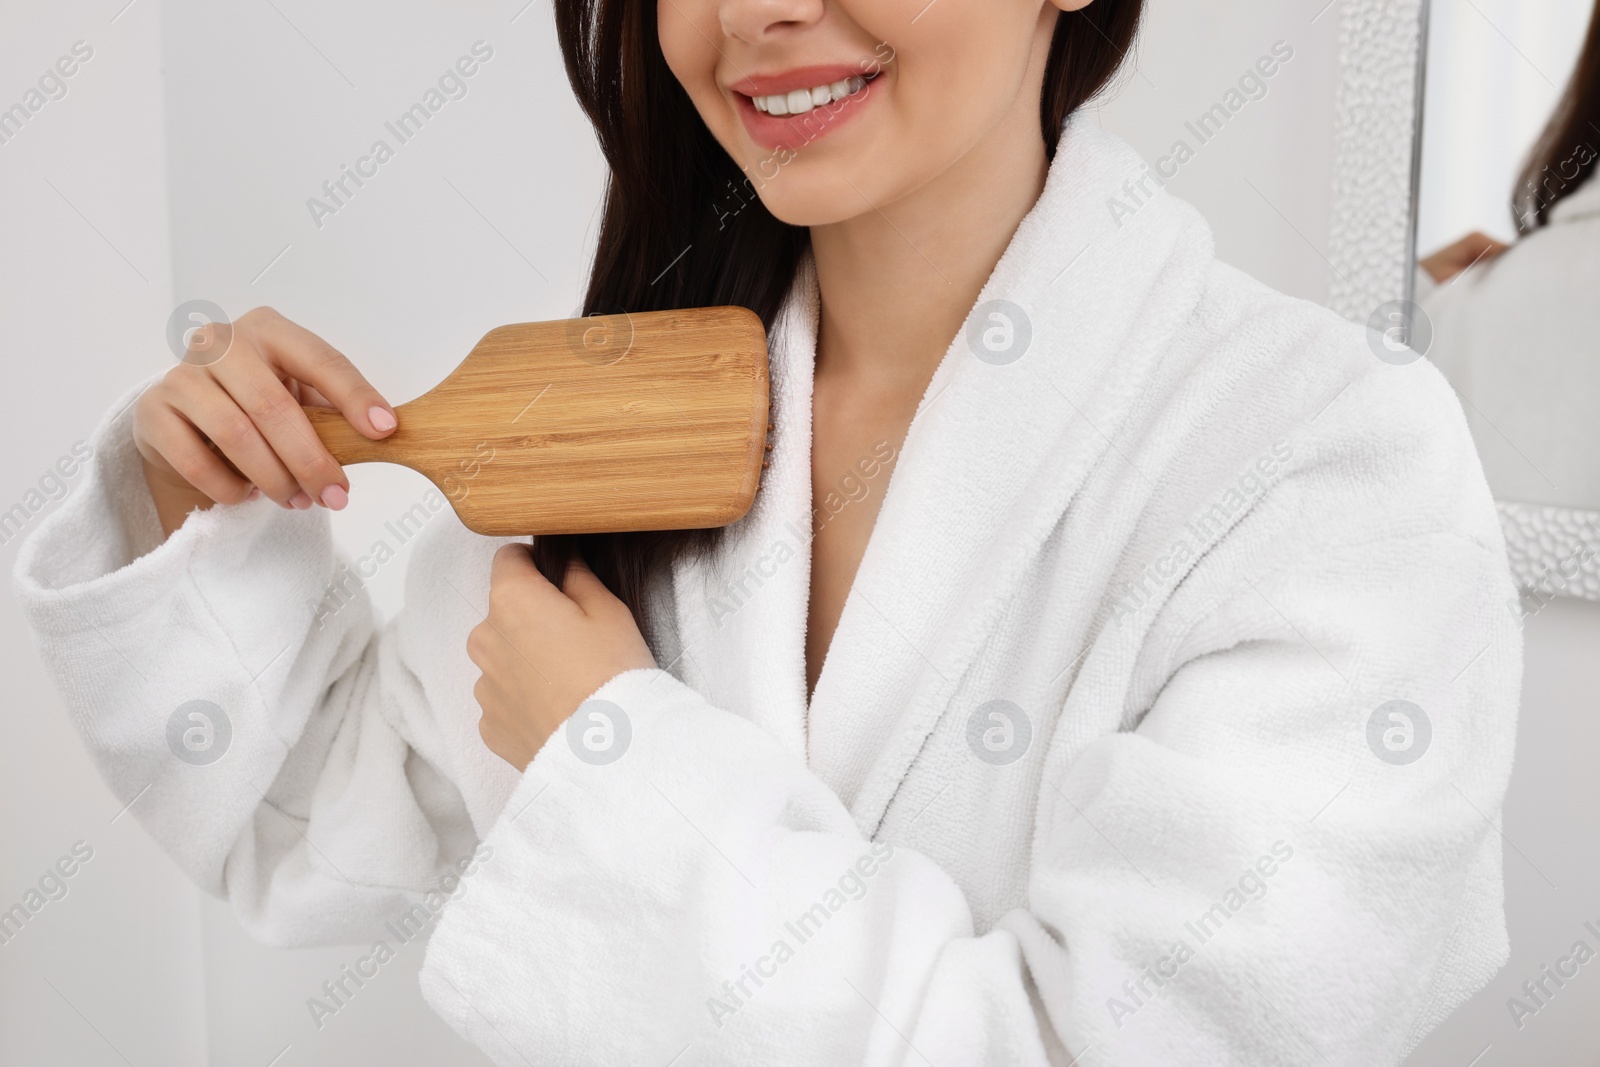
[1076, 741]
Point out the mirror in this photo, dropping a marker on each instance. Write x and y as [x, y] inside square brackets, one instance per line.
[1507, 227]
[1508, 238]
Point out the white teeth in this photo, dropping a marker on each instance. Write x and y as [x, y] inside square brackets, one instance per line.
[801, 101]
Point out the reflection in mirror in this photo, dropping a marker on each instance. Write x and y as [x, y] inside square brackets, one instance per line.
[1509, 236]
[1508, 233]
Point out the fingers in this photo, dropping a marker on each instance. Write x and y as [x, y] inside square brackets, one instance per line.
[247, 407]
[303, 355]
[514, 568]
[1450, 261]
[516, 587]
[183, 449]
[1471, 249]
[310, 396]
[513, 579]
[1491, 247]
[478, 645]
[208, 408]
[586, 589]
[281, 426]
[513, 562]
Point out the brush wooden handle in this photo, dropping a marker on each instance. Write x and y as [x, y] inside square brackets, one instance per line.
[613, 423]
[345, 442]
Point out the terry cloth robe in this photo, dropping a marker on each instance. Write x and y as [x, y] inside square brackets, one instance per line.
[1167, 721]
[1515, 335]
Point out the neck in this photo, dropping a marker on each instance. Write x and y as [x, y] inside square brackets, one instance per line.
[898, 280]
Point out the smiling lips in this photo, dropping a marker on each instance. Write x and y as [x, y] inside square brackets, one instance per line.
[793, 108]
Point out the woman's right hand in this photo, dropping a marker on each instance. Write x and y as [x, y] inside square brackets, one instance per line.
[232, 429]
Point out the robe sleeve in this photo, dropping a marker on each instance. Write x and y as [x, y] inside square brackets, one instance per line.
[1264, 866]
[267, 736]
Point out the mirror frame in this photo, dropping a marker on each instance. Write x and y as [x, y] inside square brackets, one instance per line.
[1377, 154]
[1542, 540]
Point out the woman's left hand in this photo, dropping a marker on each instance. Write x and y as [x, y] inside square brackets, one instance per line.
[543, 651]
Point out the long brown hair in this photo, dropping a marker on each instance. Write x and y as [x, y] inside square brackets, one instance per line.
[1565, 154]
[683, 227]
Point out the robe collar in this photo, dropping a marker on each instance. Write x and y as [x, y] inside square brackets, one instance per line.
[1094, 285]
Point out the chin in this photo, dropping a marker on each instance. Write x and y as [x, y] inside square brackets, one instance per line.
[822, 194]
[813, 187]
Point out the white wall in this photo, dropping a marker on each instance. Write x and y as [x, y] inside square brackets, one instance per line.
[1550, 824]
[485, 218]
[1265, 181]
[480, 219]
[110, 973]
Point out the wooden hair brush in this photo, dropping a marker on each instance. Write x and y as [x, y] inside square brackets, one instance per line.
[607, 424]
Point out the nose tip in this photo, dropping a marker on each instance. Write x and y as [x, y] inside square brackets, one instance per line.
[760, 20]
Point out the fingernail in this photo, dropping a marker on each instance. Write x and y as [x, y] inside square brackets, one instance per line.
[300, 501]
[254, 494]
[382, 419]
[335, 498]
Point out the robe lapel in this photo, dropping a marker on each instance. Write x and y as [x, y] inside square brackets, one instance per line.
[996, 452]
[742, 612]
[994, 455]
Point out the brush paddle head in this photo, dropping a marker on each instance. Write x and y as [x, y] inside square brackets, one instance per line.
[607, 424]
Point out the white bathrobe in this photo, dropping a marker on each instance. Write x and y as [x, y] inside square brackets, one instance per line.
[1516, 336]
[1195, 537]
